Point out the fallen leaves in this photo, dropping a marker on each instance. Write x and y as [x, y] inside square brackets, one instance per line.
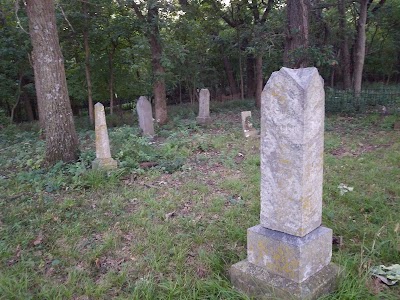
[344, 189]
[38, 240]
[170, 215]
[388, 275]
[16, 256]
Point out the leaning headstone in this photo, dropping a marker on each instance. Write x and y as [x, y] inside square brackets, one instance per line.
[103, 154]
[247, 124]
[204, 107]
[289, 253]
[145, 115]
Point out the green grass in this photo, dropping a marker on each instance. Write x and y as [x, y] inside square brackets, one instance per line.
[173, 231]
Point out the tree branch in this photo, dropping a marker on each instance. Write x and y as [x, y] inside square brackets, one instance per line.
[137, 10]
[256, 12]
[266, 11]
[378, 6]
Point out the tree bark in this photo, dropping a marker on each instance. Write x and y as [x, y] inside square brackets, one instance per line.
[297, 34]
[240, 65]
[344, 45]
[17, 100]
[153, 35]
[52, 94]
[251, 84]
[87, 63]
[28, 108]
[160, 97]
[360, 47]
[111, 80]
[259, 79]
[159, 88]
[229, 74]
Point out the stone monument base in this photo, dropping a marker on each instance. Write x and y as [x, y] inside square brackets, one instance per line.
[203, 120]
[257, 282]
[251, 133]
[104, 163]
[292, 257]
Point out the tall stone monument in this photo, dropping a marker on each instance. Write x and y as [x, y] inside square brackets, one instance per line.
[247, 125]
[289, 252]
[145, 115]
[204, 107]
[103, 154]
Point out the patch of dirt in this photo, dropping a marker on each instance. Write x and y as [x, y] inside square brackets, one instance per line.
[362, 149]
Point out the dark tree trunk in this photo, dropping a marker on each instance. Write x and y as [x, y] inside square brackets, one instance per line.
[17, 100]
[251, 84]
[344, 46]
[359, 52]
[87, 63]
[240, 64]
[229, 74]
[259, 79]
[111, 80]
[160, 97]
[52, 94]
[28, 108]
[297, 34]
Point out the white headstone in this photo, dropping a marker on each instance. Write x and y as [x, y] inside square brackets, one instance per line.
[103, 153]
[289, 253]
[247, 125]
[145, 115]
[204, 107]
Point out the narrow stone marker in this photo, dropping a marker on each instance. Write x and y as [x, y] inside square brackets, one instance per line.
[204, 107]
[289, 253]
[247, 124]
[145, 115]
[103, 154]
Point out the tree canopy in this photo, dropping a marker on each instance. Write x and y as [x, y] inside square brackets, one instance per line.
[116, 51]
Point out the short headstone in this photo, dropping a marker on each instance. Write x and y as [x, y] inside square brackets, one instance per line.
[289, 252]
[204, 107]
[247, 125]
[103, 154]
[145, 115]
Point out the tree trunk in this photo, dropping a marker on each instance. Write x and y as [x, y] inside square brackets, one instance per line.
[344, 45]
[360, 47]
[160, 97]
[87, 63]
[111, 80]
[28, 108]
[18, 98]
[229, 74]
[153, 35]
[259, 79]
[40, 109]
[240, 65]
[53, 99]
[297, 34]
[251, 84]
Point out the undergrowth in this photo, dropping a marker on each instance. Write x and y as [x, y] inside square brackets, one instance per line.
[172, 228]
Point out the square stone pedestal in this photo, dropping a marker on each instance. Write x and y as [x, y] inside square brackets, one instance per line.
[203, 120]
[104, 163]
[284, 266]
[257, 282]
[293, 257]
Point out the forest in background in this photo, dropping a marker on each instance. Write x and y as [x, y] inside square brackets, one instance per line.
[115, 51]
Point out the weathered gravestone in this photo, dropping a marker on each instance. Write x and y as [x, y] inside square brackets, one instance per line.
[145, 115]
[103, 155]
[204, 107]
[247, 124]
[289, 253]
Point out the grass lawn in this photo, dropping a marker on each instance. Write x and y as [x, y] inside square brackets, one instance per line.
[172, 231]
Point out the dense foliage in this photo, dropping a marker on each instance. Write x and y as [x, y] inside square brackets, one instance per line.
[209, 43]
